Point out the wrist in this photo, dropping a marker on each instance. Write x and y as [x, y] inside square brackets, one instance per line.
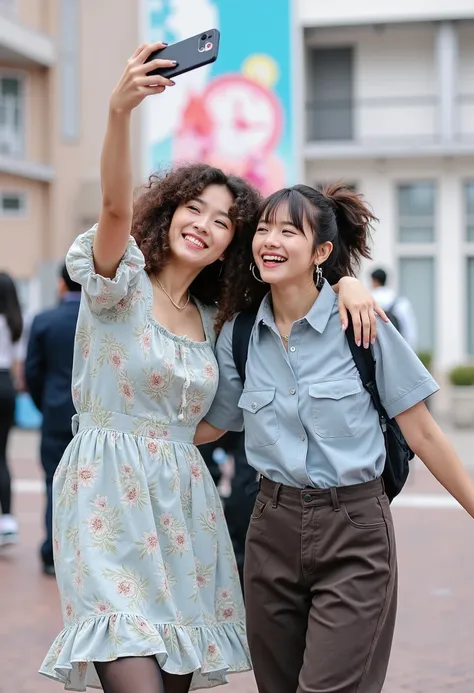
[116, 111]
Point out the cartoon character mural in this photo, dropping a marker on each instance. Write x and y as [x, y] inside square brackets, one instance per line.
[235, 113]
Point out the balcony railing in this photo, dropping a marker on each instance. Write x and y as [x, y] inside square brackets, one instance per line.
[386, 120]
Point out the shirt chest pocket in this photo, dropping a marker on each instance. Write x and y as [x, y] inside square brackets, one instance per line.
[336, 406]
[260, 419]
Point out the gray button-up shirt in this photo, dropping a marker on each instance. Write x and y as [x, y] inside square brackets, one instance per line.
[308, 420]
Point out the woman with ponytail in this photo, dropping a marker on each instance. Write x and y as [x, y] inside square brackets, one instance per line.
[321, 570]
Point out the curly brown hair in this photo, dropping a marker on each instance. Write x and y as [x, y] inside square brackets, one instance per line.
[217, 284]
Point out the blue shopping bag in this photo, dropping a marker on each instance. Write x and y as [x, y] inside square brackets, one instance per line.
[26, 414]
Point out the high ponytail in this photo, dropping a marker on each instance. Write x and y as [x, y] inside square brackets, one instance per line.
[354, 220]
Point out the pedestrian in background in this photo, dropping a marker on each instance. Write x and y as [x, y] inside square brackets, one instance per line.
[234, 487]
[239, 505]
[11, 326]
[397, 308]
[48, 374]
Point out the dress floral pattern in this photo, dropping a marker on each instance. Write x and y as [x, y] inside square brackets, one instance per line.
[144, 561]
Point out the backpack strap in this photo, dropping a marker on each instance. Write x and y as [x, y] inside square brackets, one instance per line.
[242, 329]
[365, 364]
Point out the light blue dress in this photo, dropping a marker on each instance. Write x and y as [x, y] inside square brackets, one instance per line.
[144, 562]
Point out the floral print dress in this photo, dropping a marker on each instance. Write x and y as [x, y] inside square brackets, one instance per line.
[143, 558]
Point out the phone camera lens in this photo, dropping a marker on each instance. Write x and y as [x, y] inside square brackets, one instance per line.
[203, 37]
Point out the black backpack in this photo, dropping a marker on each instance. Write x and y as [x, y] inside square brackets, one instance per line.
[398, 451]
[392, 317]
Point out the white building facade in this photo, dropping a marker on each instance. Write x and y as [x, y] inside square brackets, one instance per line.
[384, 99]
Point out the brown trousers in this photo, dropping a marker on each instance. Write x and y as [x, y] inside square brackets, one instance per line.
[321, 588]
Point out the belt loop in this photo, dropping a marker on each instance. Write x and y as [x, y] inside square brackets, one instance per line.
[383, 484]
[276, 493]
[334, 499]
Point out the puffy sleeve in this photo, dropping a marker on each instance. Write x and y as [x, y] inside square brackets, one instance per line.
[101, 292]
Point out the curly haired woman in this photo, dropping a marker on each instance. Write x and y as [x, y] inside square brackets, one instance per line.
[148, 581]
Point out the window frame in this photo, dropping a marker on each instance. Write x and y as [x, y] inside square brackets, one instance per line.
[22, 213]
[21, 77]
[413, 182]
[419, 249]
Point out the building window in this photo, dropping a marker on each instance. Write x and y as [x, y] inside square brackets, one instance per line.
[69, 69]
[12, 204]
[469, 196]
[330, 103]
[416, 212]
[12, 106]
[416, 283]
[470, 306]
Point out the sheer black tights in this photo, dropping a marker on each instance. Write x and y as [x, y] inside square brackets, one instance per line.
[139, 675]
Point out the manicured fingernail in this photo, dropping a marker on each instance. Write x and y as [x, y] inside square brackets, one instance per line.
[366, 345]
[344, 326]
[372, 341]
[163, 43]
[173, 83]
[358, 342]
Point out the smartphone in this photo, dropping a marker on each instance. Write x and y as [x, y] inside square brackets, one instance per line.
[189, 54]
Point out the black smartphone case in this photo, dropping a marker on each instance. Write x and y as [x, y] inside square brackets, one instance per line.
[187, 54]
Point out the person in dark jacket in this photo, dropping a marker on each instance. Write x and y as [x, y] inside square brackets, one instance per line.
[48, 373]
[239, 504]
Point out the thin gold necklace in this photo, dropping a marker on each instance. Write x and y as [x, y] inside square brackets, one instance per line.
[178, 307]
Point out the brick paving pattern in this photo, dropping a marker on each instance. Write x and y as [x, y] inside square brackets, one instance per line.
[433, 649]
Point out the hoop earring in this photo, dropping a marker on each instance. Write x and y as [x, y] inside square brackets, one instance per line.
[253, 269]
[318, 276]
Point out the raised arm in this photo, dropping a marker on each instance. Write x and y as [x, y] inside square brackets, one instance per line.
[116, 162]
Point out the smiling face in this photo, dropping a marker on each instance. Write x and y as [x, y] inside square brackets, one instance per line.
[201, 229]
[284, 246]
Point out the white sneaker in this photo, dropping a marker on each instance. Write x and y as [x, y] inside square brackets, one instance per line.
[8, 530]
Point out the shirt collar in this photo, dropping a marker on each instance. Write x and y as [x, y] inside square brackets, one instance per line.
[317, 316]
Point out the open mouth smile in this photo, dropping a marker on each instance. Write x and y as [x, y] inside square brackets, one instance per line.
[194, 241]
[272, 260]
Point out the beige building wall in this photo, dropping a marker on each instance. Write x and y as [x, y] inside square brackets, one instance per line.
[57, 174]
[22, 239]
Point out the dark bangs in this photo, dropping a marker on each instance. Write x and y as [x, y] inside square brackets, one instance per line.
[299, 209]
